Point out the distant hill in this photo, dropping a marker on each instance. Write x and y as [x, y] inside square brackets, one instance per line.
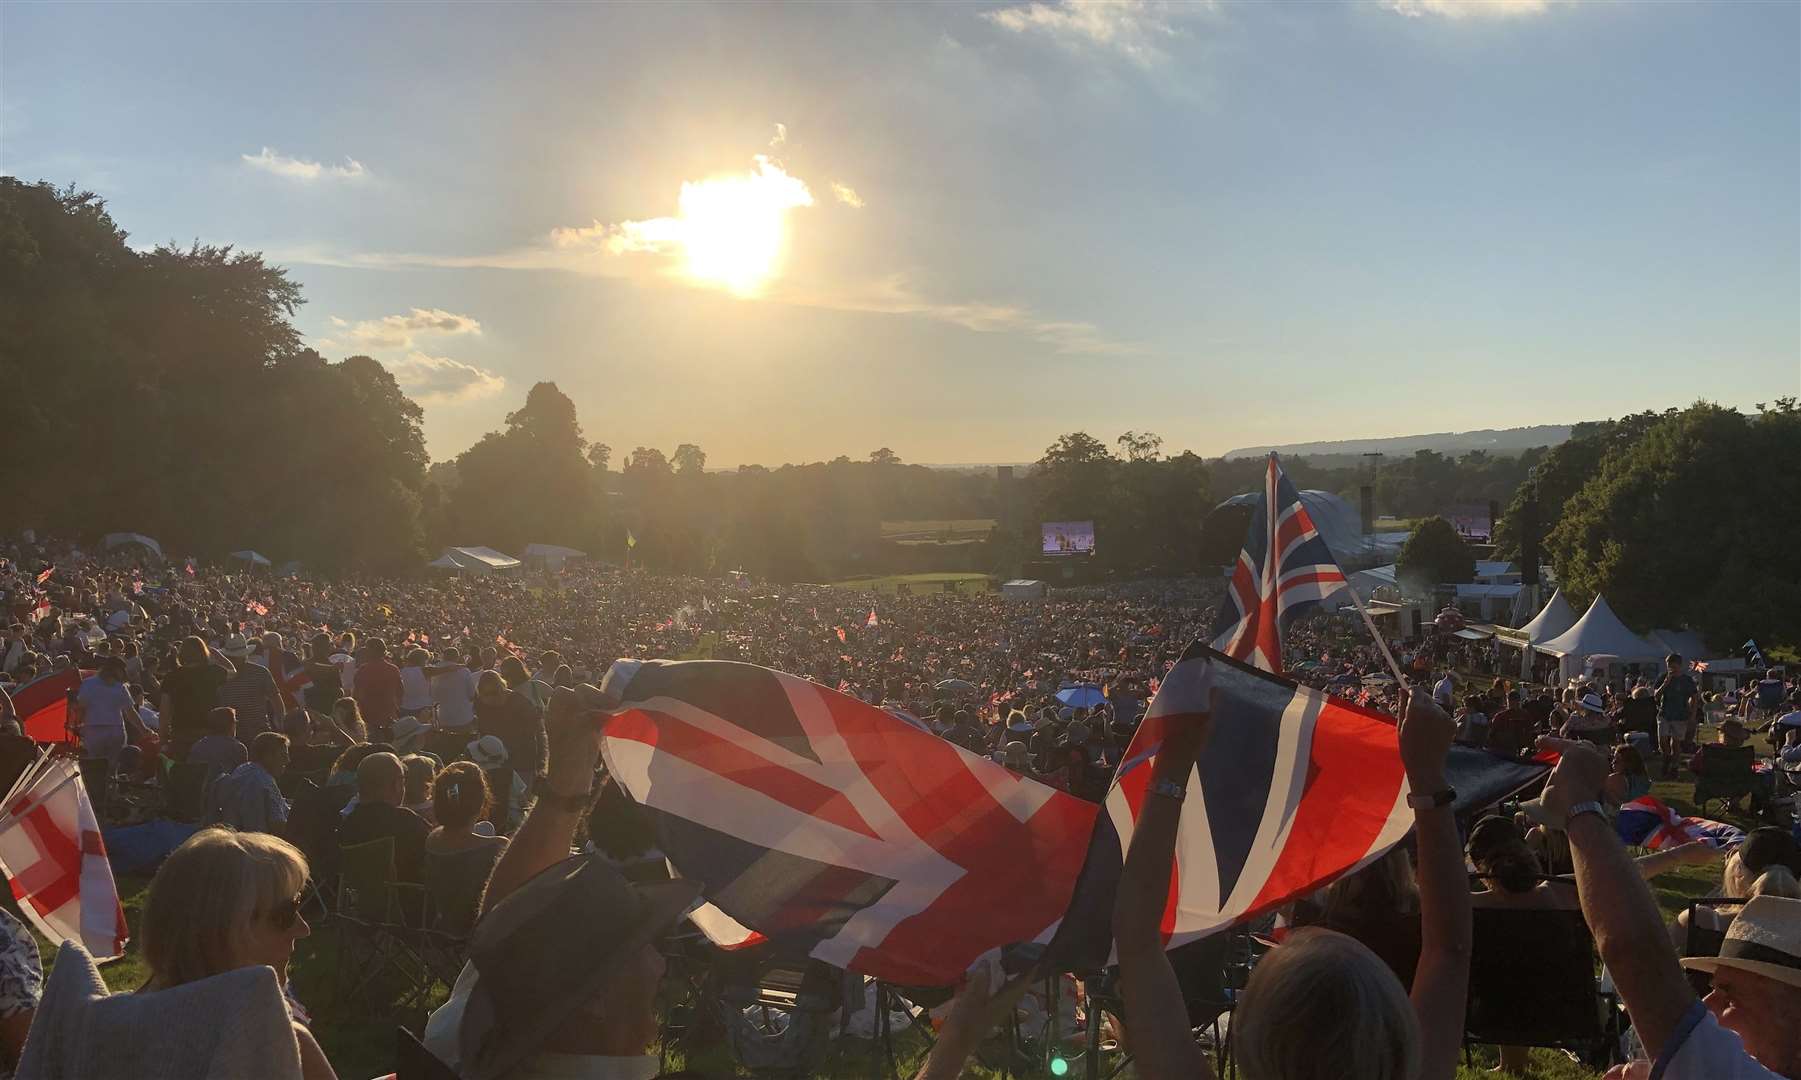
[1504, 441]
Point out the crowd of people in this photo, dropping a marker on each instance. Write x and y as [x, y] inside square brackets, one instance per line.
[447, 718]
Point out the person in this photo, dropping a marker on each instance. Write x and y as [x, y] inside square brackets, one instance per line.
[1764, 850]
[1510, 730]
[378, 689]
[421, 772]
[327, 684]
[1629, 778]
[220, 748]
[105, 712]
[249, 798]
[146, 715]
[1749, 1028]
[1321, 1004]
[1678, 705]
[21, 987]
[1445, 692]
[347, 717]
[1472, 722]
[189, 693]
[563, 970]
[508, 716]
[223, 901]
[510, 790]
[453, 691]
[1732, 736]
[251, 691]
[458, 855]
[380, 787]
[415, 683]
[1589, 720]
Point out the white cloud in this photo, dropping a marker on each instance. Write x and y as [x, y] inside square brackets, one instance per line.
[398, 331]
[301, 169]
[1468, 9]
[781, 135]
[1135, 29]
[439, 378]
[847, 195]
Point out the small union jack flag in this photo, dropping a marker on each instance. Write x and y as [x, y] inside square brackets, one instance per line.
[1284, 570]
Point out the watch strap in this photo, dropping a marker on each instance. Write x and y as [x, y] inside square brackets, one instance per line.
[1169, 789]
[569, 803]
[1436, 800]
[1589, 807]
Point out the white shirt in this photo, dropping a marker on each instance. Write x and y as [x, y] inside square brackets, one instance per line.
[149, 718]
[1710, 1052]
[1444, 693]
[454, 691]
[415, 689]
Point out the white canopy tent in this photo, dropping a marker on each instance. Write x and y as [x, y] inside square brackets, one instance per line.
[251, 557]
[1599, 633]
[113, 540]
[476, 560]
[1023, 589]
[551, 556]
[1556, 617]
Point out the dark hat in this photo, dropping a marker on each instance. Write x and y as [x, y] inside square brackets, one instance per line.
[547, 949]
[1490, 834]
[1768, 846]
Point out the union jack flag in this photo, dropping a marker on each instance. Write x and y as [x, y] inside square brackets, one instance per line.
[1284, 570]
[836, 829]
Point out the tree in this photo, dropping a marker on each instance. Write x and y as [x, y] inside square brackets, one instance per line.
[884, 456]
[1562, 470]
[599, 454]
[529, 483]
[689, 460]
[1677, 528]
[1435, 555]
[1140, 447]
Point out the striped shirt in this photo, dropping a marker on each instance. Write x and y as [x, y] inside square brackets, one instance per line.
[251, 691]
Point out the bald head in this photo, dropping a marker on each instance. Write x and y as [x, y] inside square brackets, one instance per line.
[381, 779]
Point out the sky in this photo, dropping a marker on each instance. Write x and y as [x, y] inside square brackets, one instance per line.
[787, 233]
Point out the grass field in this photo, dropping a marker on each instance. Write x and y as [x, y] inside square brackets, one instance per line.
[921, 583]
[953, 530]
[360, 1046]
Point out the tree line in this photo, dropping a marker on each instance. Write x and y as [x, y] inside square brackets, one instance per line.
[167, 392]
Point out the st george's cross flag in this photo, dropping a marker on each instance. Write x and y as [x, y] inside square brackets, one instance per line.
[1293, 789]
[835, 829]
[55, 862]
[1284, 570]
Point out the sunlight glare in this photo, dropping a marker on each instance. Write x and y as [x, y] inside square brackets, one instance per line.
[732, 228]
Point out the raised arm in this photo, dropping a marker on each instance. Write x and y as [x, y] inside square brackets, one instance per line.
[1161, 1041]
[1619, 907]
[1441, 981]
[549, 828]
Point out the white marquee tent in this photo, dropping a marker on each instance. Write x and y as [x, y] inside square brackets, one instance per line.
[1599, 633]
[1556, 618]
[113, 540]
[475, 560]
[551, 556]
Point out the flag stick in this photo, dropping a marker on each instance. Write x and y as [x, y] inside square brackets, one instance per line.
[1381, 643]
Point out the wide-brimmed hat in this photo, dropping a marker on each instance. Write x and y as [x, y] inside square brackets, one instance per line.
[547, 950]
[1593, 703]
[407, 730]
[235, 647]
[1765, 939]
[488, 751]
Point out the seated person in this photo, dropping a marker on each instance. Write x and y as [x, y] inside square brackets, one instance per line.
[249, 797]
[459, 855]
[219, 749]
[1629, 779]
[421, 772]
[1733, 735]
[380, 787]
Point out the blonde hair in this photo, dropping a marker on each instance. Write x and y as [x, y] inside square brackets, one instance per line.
[208, 895]
[1323, 1006]
[1776, 880]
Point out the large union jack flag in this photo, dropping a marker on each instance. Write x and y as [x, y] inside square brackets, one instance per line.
[1292, 789]
[835, 829]
[1285, 569]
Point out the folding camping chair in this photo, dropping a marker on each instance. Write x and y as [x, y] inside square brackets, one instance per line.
[1532, 983]
[1707, 924]
[1725, 775]
[776, 1010]
[186, 795]
[378, 913]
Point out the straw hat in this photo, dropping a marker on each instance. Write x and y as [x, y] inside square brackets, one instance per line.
[1765, 940]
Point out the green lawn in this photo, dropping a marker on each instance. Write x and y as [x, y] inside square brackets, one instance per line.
[927, 530]
[927, 583]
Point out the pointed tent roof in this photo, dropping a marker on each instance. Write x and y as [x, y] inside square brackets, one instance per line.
[1556, 617]
[1600, 631]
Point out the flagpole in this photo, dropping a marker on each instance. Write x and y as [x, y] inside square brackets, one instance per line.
[1381, 643]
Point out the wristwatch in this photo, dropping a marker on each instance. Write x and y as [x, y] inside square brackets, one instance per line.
[1436, 800]
[1589, 807]
[1169, 789]
[572, 804]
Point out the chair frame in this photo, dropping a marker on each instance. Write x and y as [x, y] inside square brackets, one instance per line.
[393, 943]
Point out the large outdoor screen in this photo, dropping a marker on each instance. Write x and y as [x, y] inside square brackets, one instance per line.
[1471, 522]
[1068, 538]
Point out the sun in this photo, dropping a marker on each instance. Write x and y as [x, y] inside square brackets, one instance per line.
[732, 229]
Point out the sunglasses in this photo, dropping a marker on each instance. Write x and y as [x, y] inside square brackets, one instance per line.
[284, 915]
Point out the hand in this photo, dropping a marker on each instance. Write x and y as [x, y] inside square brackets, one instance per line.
[1696, 853]
[1578, 778]
[572, 732]
[1426, 734]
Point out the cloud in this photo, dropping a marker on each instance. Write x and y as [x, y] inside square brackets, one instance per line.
[398, 331]
[847, 195]
[301, 169]
[1468, 9]
[894, 295]
[781, 135]
[1134, 29]
[439, 378]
